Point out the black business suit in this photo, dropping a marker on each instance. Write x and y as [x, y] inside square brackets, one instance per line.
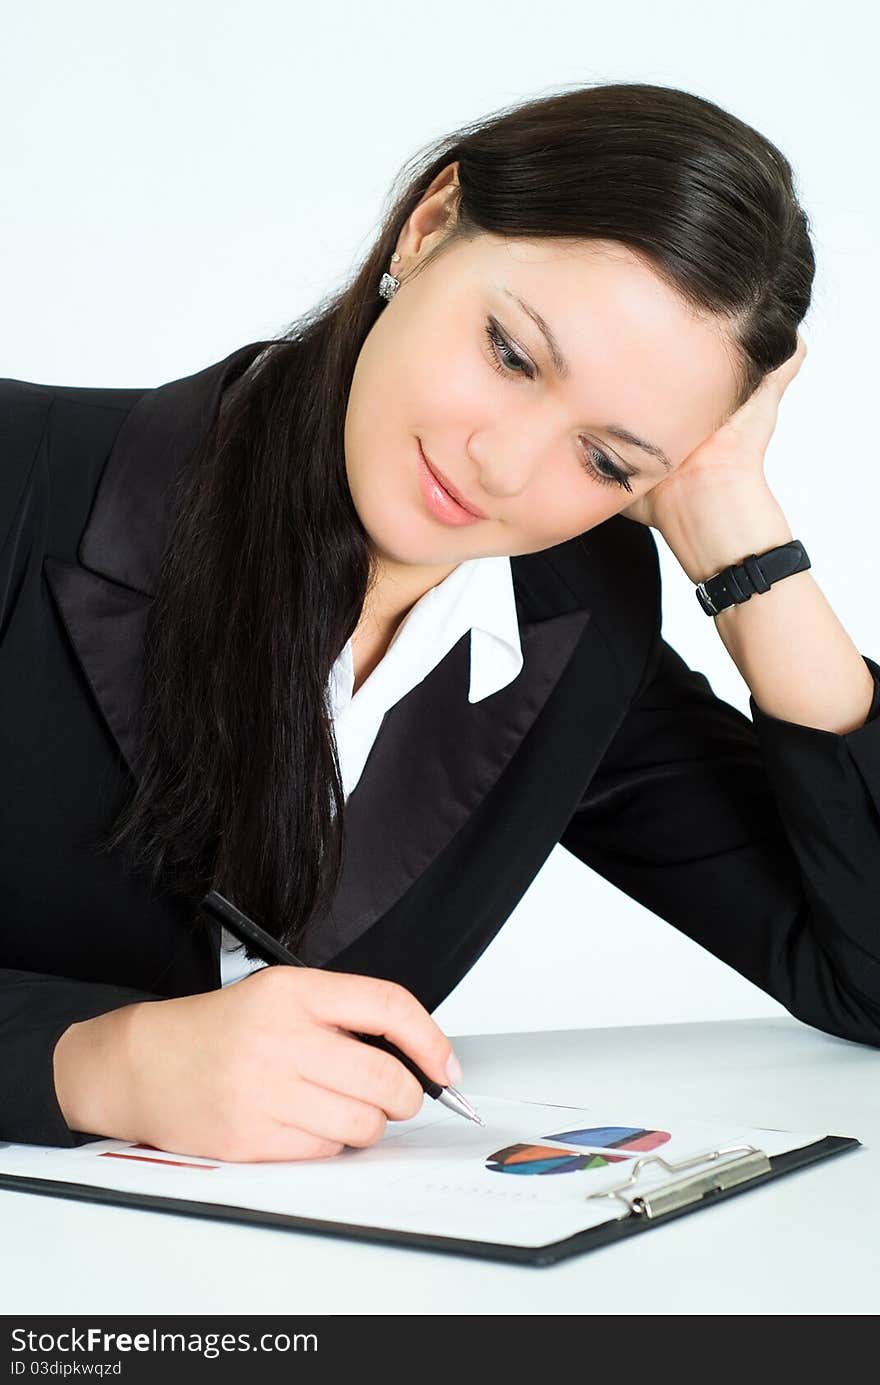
[761, 842]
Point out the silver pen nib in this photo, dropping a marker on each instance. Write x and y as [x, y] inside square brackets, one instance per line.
[456, 1102]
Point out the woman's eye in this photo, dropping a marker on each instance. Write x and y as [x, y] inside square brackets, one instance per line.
[502, 355]
[508, 362]
[595, 461]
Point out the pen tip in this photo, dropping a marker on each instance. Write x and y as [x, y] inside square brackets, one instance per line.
[456, 1102]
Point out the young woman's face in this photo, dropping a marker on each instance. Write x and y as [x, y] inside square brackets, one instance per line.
[455, 368]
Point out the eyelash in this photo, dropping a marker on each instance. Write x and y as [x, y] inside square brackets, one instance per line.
[506, 362]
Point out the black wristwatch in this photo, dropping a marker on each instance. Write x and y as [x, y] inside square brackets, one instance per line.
[757, 573]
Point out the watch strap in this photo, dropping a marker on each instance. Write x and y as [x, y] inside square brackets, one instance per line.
[755, 574]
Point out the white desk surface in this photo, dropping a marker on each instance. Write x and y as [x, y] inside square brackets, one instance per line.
[808, 1243]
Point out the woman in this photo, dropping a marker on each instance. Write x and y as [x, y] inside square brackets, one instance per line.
[251, 641]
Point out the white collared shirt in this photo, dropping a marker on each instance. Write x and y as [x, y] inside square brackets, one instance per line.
[477, 596]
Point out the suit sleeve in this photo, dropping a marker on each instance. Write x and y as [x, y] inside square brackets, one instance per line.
[758, 839]
[35, 1009]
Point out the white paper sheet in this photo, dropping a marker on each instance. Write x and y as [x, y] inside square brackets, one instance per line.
[436, 1174]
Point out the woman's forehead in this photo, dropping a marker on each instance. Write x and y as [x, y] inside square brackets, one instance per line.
[626, 337]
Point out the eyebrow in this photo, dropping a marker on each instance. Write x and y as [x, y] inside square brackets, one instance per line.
[563, 370]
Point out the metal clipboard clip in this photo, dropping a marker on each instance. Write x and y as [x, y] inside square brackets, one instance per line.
[669, 1197]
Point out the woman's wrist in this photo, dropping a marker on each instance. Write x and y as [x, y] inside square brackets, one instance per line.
[92, 1073]
[748, 522]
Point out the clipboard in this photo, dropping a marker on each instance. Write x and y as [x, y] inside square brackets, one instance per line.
[732, 1169]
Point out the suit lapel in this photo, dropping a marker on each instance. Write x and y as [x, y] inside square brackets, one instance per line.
[436, 755]
[105, 598]
[106, 624]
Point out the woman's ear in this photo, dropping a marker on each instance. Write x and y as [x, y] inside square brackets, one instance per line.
[430, 221]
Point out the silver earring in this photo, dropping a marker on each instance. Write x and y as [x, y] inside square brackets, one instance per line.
[388, 285]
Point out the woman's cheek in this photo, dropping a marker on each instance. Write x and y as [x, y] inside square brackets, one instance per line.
[573, 516]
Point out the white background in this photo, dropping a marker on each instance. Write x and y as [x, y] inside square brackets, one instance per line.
[182, 178]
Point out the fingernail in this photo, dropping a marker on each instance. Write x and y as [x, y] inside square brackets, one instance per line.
[453, 1070]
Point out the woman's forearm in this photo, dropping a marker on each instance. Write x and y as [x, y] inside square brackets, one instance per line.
[797, 659]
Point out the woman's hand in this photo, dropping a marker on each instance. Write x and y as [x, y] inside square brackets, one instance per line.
[716, 507]
[264, 1069]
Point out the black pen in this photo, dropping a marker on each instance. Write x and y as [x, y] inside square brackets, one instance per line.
[244, 928]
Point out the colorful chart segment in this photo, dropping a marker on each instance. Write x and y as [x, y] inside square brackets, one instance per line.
[522, 1159]
[613, 1137]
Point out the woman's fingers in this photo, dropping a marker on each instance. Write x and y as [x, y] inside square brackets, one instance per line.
[327, 1115]
[372, 1006]
[278, 1144]
[351, 1068]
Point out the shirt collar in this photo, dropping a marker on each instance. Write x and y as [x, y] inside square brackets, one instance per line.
[496, 652]
[478, 596]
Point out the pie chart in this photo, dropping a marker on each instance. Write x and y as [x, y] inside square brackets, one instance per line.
[546, 1159]
[543, 1159]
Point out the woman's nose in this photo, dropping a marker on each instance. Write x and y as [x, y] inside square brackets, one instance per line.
[506, 464]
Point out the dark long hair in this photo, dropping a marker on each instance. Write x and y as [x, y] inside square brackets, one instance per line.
[268, 565]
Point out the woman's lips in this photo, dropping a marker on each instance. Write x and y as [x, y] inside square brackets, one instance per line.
[440, 502]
